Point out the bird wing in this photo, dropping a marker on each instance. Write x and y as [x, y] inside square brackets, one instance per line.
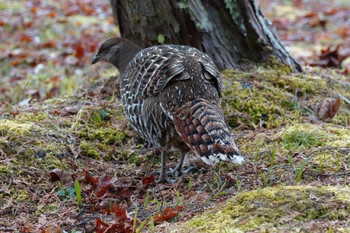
[155, 67]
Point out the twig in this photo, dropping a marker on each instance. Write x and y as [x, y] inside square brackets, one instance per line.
[2, 152]
[344, 98]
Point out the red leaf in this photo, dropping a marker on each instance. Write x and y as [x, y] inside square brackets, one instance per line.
[111, 208]
[26, 229]
[26, 38]
[343, 31]
[51, 14]
[123, 221]
[48, 44]
[28, 24]
[331, 11]
[146, 181]
[34, 10]
[103, 185]
[99, 186]
[15, 63]
[52, 92]
[100, 226]
[120, 214]
[79, 51]
[311, 15]
[87, 10]
[87, 178]
[54, 79]
[125, 194]
[330, 57]
[92, 47]
[167, 214]
[346, 71]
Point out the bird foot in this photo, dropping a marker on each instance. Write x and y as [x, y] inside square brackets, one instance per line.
[165, 179]
[178, 172]
[174, 172]
[187, 170]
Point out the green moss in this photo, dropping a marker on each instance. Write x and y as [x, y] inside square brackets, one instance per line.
[89, 150]
[51, 161]
[21, 195]
[14, 130]
[301, 138]
[105, 135]
[41, 209]
[6, 169]
[268, 98]
[301, 85]
[313, 135]
[274, 64]
[274, 209]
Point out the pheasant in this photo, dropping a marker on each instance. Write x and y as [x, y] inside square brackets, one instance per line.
[171, 96]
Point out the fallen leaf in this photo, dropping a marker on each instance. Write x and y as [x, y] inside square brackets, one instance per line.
[52, 92]
[146, 181]
[54, 79]
[51, 14]
[26, 38]
[101, 227]
[79, 50]
[167, 214]
[343, 31]
[329, 109]
[64, 177]
[346, 71]
[103, 185]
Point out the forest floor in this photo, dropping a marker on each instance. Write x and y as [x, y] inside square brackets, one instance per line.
[63, 134]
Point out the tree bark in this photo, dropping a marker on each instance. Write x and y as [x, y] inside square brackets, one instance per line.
[227, 30]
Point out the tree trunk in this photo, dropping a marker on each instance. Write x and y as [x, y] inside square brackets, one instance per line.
[227, 30]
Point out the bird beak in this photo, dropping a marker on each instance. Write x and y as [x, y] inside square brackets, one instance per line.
[95, 59]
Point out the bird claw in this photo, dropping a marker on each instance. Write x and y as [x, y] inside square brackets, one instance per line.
[174, 172]
[187, 170]
[165, 179]
[178, 172]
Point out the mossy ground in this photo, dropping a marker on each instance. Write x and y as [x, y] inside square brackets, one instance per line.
[271, 114]
[274, 114]
[278, 209]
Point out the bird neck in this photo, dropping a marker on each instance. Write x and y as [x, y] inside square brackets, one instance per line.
[125, 54]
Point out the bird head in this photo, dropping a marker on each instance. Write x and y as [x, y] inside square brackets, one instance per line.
[117, 51]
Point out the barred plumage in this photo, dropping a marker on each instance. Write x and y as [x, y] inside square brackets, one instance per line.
[171, 96]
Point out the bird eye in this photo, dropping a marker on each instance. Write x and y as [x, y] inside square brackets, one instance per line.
[103, 50]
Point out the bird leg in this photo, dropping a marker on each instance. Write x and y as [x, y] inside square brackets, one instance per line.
[163, 175]
[177, 171]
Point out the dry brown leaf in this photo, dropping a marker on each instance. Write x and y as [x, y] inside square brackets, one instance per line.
[64, 177]
[329, 109]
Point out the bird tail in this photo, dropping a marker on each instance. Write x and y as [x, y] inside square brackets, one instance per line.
[201, 125]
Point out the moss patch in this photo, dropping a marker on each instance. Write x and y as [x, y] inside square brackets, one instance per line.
[276, 209]
[271, 98]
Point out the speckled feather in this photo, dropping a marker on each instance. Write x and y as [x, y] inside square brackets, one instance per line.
[171, 96]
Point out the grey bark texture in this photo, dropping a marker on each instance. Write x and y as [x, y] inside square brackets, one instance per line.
[227, 30]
